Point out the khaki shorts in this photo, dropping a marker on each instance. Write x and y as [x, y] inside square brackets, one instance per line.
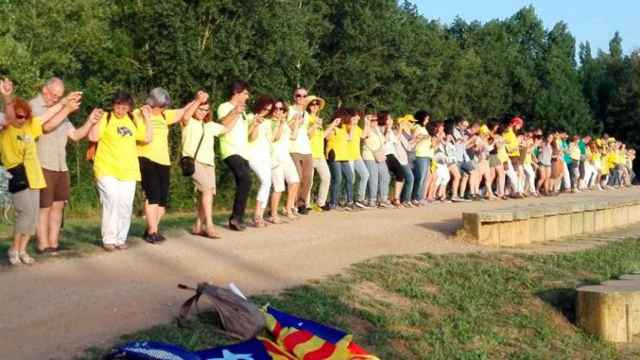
[25, 204]
[58, 186]
[204, 177]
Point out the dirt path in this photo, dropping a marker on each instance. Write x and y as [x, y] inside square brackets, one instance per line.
[57, 309]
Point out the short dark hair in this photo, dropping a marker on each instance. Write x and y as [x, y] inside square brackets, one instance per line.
[122, 97]
[238, 86]
[421, 116]
[262, 103]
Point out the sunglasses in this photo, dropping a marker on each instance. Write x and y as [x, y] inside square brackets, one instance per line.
[315, 103]
[21, 116]
[300, 95]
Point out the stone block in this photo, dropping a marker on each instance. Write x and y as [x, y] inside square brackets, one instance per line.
[536, 230]
[507, 234]
[489, 235]
[599, 223]
[551, 228]
[521, 232]
[608, 218]
[495, 216]
[471, 224]
[536, 212]
[603, 312]
[577, 223]
[589, 222]
[564, 225]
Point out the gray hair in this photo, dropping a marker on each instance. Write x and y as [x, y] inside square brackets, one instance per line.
[54, 81]
[158, 97]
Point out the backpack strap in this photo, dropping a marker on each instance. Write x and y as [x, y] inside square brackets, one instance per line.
[186, 306]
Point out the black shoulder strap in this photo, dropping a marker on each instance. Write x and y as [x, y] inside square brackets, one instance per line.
[199, 142]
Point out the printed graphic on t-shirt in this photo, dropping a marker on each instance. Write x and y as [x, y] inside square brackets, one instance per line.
[124, 131]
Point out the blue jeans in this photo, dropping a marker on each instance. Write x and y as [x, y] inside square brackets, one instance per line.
[407, 187]
[362, 171]
[372, 184]
[421, 168]
[384, 178]
[338, 170]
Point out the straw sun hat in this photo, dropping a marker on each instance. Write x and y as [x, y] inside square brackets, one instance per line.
[313, 98]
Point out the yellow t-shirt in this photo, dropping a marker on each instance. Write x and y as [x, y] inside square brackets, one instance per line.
[423, 148]
[528, 160]
[234, 142]
[511, 142]
[18, 146]
[117, 153]
[574, 152]
[158, 149]
[502, 153]
[354, 144]
[338, 141]
[192, 133]
[317, 139]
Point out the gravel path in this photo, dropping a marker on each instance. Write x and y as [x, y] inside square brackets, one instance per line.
[56, 309]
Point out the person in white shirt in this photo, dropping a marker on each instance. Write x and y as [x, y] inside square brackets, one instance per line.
[234, 149]
[301, 147]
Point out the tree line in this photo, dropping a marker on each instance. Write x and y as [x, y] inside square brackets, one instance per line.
[368, 54]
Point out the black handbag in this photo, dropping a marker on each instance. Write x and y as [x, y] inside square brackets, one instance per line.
[188, 163]
[18, 181]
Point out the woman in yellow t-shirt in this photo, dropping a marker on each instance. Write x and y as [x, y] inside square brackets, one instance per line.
[198, 141]
[116, 165]
[19, 156]
[338, 157]
[154, 160]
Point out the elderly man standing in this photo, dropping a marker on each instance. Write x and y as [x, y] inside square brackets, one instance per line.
[53, 159]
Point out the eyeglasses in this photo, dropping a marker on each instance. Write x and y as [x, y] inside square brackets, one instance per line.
[203, 109]
[21, 116]
[278, 108]
[300, 95]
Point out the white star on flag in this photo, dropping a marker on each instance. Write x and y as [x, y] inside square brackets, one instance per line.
[228, 355]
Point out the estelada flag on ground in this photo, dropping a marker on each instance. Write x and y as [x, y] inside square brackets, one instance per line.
[309, 340]
[295, 339]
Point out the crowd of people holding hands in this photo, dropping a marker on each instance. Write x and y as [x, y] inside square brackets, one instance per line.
[362, 160]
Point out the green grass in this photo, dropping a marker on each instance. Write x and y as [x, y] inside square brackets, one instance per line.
[81, 235]
[500, 306]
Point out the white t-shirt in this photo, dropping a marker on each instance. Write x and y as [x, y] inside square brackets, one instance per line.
[282, 146]
[390, 142]
[301, 144]
[234, 142]
[260, 148]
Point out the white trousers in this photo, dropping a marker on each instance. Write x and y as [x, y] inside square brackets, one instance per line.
[512, 176]
[589, 175]
[530, 176]
[116, 197]
[262, 167]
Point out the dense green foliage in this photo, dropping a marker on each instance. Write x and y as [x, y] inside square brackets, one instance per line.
[375, 54]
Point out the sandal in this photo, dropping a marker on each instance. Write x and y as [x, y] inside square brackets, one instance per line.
[26, 259]
[211, 234]
[14, 257]
[291, 216]
[108, 247]
[259, 223]
[122, 247]
[274, 220]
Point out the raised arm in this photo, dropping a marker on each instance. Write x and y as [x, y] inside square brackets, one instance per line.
[334, 124]
[52, 113]
[255, 127]
[146, 118]
[201, 98]
[229, 121]
[70, 106]
[279, 128]
[6, 89]
[82, 132]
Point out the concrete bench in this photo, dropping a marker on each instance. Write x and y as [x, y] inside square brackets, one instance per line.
[610, 310]
[523, 225]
